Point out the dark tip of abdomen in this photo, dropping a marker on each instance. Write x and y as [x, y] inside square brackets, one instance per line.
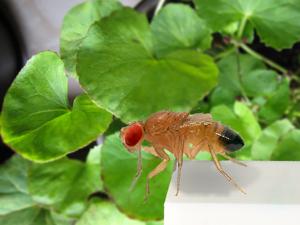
[231, 140]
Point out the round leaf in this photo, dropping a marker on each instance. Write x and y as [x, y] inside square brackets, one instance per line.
[105, 213]
[76, 24]
[64, 184]
[36, 118]
[16, 205]
[288, 148]
[34, 216]
[178, 26]
[264, 146]
[229, 77]
[13, 186]
[277, 103]
[276, 21]
[117, 67]
[118, 168]
[260, 82]
[222, 95]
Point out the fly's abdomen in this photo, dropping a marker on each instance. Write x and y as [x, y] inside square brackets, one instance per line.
[231, 140]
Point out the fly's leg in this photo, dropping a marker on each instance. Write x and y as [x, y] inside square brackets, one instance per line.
[179, 163]
[175, 165]
[138, 172]
[179, 156]
[220, 169]
[162, 166]
[196, 148]
[233, 160]
[150, 150]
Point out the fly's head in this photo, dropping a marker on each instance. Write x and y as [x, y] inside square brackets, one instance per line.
[132, 136]
[230, 140]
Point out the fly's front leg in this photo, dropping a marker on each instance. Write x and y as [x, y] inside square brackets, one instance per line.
[162, 166]
[175, 165]
[179, 158]
[220, 169]
[138, 171]
[179, 163]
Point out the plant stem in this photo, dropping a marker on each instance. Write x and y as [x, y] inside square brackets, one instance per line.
[260, 57]
[225, 53]
[242, 27]
[295, 78]
[266, 60]
[239, 73]
[158, 6]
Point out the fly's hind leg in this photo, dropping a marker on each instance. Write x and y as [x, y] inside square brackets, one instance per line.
[233, 160]
[220, 169]
[162, 166]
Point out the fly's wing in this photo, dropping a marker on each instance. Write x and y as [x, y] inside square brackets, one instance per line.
[161, 122]
[196, 120]
[199, 118]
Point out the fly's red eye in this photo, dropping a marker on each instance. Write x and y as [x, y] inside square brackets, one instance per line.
[133, 134]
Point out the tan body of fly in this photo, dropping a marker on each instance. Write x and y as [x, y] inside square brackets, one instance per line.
[181, 133]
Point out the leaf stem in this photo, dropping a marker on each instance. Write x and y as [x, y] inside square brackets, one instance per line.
[242, 27]
[158, 6]
[255, 54]
[295, 78]
[239, 73]
[225, 53]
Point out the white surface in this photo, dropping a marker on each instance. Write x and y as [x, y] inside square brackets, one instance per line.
[206, 198]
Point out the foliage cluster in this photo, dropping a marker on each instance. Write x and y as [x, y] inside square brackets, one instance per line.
[129, 68]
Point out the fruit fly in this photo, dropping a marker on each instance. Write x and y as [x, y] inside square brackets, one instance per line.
[181, 133]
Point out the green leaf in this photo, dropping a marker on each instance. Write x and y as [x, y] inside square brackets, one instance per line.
[13, 186]
[16, 205]
[0, 125]
[288, 148]
[294, 113]
[277, 103]
[201, 107]
[260, 82]
[221, 95]
[242, 120]
[229, 78]
[118, 168]
[93, 161]
[155, 223]
[276, 21]
[64, 184]
[269, 139]
[117, 68]
[178, 26]
[254, 81]
[76, 24]
[105, 213]
[94, 156]
[36, 118]
[34, 216]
